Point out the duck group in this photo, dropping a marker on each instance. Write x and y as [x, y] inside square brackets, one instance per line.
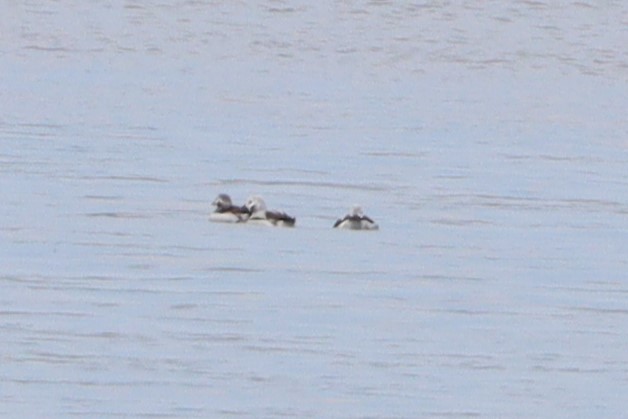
[256, 212]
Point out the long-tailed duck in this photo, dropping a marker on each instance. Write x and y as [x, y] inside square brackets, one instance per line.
[226, 212]
[260, 215]
[356, 220]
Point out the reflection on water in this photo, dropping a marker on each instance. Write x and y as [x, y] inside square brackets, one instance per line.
[487, 140]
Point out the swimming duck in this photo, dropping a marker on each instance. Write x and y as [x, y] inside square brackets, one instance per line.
[226, 212]
[356, 220]
[260, 215]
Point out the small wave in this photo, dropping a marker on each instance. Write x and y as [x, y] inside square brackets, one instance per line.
[131, 178]
[116, 215]
[331, 185]
[47, 49]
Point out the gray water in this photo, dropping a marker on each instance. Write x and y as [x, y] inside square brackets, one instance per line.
[489, 140]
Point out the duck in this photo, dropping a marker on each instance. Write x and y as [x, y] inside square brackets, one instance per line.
[356, 220]
[226, 212]
[260, 215]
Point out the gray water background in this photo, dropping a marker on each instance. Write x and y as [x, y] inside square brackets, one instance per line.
[488, 139]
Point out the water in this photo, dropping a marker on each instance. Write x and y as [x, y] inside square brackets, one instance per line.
[489, 141]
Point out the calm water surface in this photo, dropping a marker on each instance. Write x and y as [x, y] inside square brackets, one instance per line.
[489, 141]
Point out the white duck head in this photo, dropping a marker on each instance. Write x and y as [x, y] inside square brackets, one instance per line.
[255, 204]
[356, 211]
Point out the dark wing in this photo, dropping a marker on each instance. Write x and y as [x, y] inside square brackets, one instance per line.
[242, 210]
[365, 218]
[233, 210]
[341, 220]
[276, 217]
